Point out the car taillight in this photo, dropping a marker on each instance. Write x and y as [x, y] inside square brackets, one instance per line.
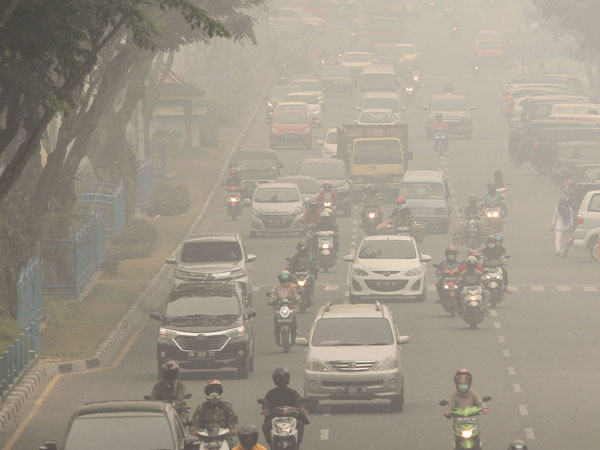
[579, 220]
[536, 144]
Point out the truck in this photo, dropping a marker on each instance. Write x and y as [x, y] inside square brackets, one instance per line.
[374, 154]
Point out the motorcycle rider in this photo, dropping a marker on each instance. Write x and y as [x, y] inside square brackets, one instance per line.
[448, 87]
[328, 194]
[215, 412]
[472, 275]
[517, 445]
[280, 396]
[285, 289]
[492, 199]
[494, 250]
[450, 263]
[473, 208]
[401, 214]
[170, 389]
[439, 124]
[327, 223]
[234, 179]
[311, 215]
[248, 437]
[464, 396]
[370, 200]
[303, 261]
[499, 180]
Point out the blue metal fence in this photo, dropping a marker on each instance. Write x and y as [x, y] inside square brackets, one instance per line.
[111, 199]
[19, 355]
[70, 263]
[145, 177]
[29, 292]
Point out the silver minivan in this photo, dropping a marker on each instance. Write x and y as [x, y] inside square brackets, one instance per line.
[428, 197]
[587, 230]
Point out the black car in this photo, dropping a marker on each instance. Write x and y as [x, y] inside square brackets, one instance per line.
[336, 80]
[580, 173]
[206, 326]
[570, 155]
[134, 425]
[330, 170]
[256, 166]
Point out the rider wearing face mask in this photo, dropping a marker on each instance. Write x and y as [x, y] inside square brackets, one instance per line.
[494, 250]
[492, 199]
[215, 412]
[450, 263]
[464, 397]
[473, 207]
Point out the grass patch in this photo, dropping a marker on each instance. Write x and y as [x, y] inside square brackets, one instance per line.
[136, 241]
[168, 199]
[9, 332]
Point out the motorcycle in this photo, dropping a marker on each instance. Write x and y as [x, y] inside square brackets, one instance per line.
[472, 232]
[182, 408]
[476, 70]
[492, 271]
[472, 305]
[285, 322]
[409, 92]
[455, 32]
[213, 438]
[440, 143]
[371, 219]
[449, 298]
[494, 218]
[325, 248]
[234, 201]
[303, 287]
[466, 426]
[284, 426]
[416, 230]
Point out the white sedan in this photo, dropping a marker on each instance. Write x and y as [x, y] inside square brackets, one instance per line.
[387, 267]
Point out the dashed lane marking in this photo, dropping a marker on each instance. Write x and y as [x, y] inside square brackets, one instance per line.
[590, 289]
[523, 410]
[529, 434]
[537, 288]
[334, 287]
[517, 387]
[564, 288]
[506, 353]
[501, 339]
[494, 313]
[511, 371]
[324, 434]
[497, 325]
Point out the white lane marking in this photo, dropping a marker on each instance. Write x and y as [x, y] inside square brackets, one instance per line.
[513, 288]
[324, 434]
[517, 387]
[355, 230]
[497, 325]
[537, 288]
[326, 414]
[590, 289]
[494, 313]
[529, 434]
[501, 339]
[255, 288]
[523, 410]
[511, 371]
[355, 222]
[332, 287]
[431, 288]
[506, 353]
[564, 288]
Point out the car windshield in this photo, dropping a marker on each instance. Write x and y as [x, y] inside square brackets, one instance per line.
[306, 186]
[356, 57]
[276, 195]
[380, 151]
[290, 117]
[449, 103]
[305, 98]
[334, 71]
[387, 249]
[131, 431]
[378, 82]
[423, 191]
[381, 103]
[394, 50]
[352, 331]
[331, 137]
[211, 251]
[257, 163]
[376, 117]
[323, 171]
[282, 91]
[489, 44]
[210, 305]
[309, 85]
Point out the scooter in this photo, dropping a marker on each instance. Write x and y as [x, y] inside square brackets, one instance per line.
[466, 426]
[492, 271]
[472, 305]
[409, 92]
[284, 426]
[449, 298]
[325, 248]
[234, 201]
[303, 287]
[440, 143]
[494, 218]
[472, 232]
[371, 219]
[285, 323]
[213, 438]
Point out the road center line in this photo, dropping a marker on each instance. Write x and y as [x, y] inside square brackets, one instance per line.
[506, 353]
[324, 434]
[501, 339]
[564, 288]
[517, 387]
[523, 410]
[497, 325]
[511, 371]
[529, 434]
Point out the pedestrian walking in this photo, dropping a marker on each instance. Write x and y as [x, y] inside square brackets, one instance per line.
[563, 226]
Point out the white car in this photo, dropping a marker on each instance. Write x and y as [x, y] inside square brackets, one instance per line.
[355, 62]
[313, 103]
[329, 143]
[382, 100]
[387, 267]
[376, 117]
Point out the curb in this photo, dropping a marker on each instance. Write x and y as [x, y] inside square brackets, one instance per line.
[21, 392]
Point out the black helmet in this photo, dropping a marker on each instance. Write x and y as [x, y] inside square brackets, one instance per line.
[451, 250]
[248, 436]
[327, 187]
[472, 199]
[169, 370]
[517, 445]
[439, 116]
[491, 239]
[301, 247]
[371, 189]
[281, 377]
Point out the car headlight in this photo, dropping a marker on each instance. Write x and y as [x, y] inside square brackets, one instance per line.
[466, 433]
[284, 311]
[167, 333]
[389, 363]
[414, 271]
[317, 365]
[236, 332]
[298, 210]
[221, 274]
[255, 212]
[356, 270]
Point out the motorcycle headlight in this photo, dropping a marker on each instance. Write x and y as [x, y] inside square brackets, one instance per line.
[284, 311]
[301, 283]
[414, 271]
[236, 332]
[166, 333]
[388, 363]
[408, 89]
[317, 365]
[359, 271]
[233, 199]
[325, 245]
[474, 297]
[372, 215]
[446, 286]
[466, 433]
[327, 204]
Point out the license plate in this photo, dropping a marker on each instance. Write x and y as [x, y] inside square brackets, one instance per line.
[199, 354]
[290, 137]
[386, 283]
[354, 389]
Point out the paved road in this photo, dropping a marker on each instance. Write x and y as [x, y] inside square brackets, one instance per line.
[536, 354]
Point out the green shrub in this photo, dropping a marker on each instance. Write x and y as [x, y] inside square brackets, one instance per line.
[9, 331]
[169, 199]
[136, 241]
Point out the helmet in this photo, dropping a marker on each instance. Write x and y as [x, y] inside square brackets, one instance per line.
[474, 253]
[400, 200]
[213, 391]
[463, 372]
[491, 241]
[327, 187]
[371, 189]
[301, 247]
[451, 251]
[281, 377]
[491, 187]
[248, 436]
[473, 199]
[233, 171]
[439, 116]
[284, 276]
[499, 238]
[517, 445]
[471, 262]
[169, 370]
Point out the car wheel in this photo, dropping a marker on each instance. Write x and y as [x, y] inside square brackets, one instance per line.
[244, 368]
[593, 246]
[397, 403]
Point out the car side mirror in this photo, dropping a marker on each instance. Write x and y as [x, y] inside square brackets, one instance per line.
[251, 313]
[155, 315]
[49, 446]
[349, 258]
[302, 341]
[250, 257]
[443, 402]
[487, 398]
[171, 261]
[403, 340]
[425, 258]
[320, 142]
[191, 443]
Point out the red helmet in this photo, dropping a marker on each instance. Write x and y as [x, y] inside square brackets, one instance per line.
[465, 372]
[451, 250]
[233, 171]
[474, 253]
[213, 390]
[400, 200]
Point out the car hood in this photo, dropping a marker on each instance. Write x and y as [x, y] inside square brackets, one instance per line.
[392, 265]
[204, 328]
[210, 267]
[290, 127]
[449, 114]
[331, 79]
[353, 353]
[425, 202]
[355, 64]
[276, 208]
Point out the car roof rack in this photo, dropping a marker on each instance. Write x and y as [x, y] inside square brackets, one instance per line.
[377, 306]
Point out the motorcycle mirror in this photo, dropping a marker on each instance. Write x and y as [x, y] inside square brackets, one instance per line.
[260, 401]
[302, 342]
[349, 258]
[443, 402]
[487, 398]
[268, 294]
[147, 397]
[155, 315]
[187, 396]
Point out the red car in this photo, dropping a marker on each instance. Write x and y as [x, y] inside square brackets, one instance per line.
[488, 47]
[291, 129]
